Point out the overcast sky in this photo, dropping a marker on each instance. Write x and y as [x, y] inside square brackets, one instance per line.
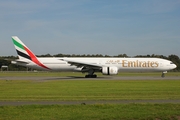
[108, 27]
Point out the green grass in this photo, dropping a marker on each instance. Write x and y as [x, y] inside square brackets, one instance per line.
[14, 90]
[57, 90]
[91, 112]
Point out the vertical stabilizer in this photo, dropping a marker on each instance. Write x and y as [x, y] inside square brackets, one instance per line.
[24, 52]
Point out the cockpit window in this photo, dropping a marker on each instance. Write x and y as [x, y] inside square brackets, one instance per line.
[171, 63]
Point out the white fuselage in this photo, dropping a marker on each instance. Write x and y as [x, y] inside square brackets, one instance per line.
[123, 64]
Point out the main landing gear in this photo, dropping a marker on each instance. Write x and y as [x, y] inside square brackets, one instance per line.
[91, 74]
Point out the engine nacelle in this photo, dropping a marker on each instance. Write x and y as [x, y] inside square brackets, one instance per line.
[109, 70]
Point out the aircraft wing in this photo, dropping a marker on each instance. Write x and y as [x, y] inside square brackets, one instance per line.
[83, 64]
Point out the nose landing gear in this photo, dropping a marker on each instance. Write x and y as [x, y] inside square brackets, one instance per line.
[163, 74]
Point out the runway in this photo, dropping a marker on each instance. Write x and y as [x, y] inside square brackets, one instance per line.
[98, 78]
[41, 79]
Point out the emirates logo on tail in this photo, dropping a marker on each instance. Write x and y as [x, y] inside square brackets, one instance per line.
[24, 52]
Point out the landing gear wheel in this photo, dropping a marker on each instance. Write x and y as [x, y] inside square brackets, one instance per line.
[163, 75]
[86, 76]
[95, 76]
[91, 76]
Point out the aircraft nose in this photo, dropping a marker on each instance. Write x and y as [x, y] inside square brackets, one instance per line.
[175, 66]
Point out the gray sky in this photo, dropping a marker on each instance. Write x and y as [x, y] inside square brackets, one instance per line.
[108, 27]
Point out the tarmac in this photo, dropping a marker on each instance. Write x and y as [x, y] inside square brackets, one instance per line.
[98, 78]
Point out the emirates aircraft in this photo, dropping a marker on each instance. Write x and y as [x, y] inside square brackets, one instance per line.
[107, 66]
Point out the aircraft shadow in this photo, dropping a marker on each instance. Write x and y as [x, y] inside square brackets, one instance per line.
[75, 78]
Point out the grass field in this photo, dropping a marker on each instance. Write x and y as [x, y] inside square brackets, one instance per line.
[58, 90]
[92, 112]
[89, 90]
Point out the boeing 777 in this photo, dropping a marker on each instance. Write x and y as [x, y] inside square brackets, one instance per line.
[107, 66]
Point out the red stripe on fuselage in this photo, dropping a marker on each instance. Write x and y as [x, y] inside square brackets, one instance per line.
[34, 58]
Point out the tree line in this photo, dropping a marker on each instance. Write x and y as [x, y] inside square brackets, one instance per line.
[6, 60]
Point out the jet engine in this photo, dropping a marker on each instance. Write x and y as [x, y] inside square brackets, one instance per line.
[109, 70]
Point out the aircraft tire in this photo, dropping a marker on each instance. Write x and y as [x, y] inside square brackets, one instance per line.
[90, 76]
[94, 76]
[163, 75]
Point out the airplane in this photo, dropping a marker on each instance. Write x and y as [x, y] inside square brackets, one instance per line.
[107, 66]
